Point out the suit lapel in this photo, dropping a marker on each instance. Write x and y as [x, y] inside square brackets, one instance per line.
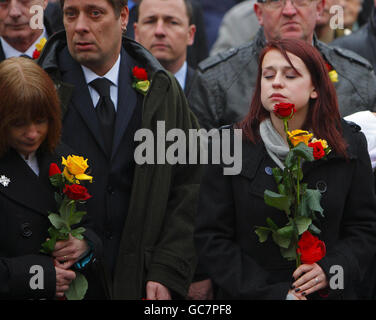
[2, 54]
[81, 100]
[25, 187]
[128, 99]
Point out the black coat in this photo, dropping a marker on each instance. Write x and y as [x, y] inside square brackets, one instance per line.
[24, 207]
[230, 207]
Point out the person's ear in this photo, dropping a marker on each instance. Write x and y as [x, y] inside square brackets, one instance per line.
[258, 11]
[124, 17]
[314, 94]
[191, 34]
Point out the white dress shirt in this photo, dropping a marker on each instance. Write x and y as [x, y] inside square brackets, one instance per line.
[10, 52]
[32, 162]
[112, 75]
[181, 75]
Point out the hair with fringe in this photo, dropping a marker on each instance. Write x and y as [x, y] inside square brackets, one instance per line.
[323, 117]
[27, 94]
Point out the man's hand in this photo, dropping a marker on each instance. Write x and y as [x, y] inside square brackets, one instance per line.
[201, 290]
[157, 291]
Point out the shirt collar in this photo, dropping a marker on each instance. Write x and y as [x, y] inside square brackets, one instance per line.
[9, 51]
[182, 74]
[112, 74]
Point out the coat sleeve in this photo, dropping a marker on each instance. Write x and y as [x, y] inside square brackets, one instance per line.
[27, 277]
[356, 248]
[174, 257]
[234, 272]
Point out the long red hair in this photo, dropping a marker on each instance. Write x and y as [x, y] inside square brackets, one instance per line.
[323, 118]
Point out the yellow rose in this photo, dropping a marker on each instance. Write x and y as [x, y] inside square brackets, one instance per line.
[324, 143]
[41, 44]
[75, 168]
[298, 136]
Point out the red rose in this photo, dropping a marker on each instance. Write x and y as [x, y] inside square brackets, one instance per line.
[310, 248]
[76, 192]
[318, 150]
[140, 73]
[36, 54]
[54, 169]
[284, 110]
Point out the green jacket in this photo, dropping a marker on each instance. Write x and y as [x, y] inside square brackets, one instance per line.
[157, 242]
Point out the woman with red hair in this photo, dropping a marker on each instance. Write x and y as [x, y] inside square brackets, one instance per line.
[230, 207]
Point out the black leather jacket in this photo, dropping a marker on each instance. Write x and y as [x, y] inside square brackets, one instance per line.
[223, 89]
[363, 42]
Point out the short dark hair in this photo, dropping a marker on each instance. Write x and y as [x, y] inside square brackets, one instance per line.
[188, 6]
[118, 5]
[27, 93]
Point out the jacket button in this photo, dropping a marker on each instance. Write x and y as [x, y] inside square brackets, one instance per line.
[321, 186]
[26, 230]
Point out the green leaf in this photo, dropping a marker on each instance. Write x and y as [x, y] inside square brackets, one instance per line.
[314, 229]
[276, 200]
[313, 201]
[76, 217]
[289, 253]
[283, 236]
[277, 174]
[58, 199]
[77, 288]
[77, 233]
[57, 180]
[302, 224]
[56, 221]
[263, 233]
[301, 150]
[271, 224]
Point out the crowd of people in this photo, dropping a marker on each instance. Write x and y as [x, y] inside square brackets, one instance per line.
[99, 72]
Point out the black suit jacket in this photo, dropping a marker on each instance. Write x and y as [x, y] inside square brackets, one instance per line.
[49, 30]
[113, 174]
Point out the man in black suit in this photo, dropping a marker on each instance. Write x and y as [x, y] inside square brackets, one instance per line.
[18, 35]
[143, 212]
[165, 28]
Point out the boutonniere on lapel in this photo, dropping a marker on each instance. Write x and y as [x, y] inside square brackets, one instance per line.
[140, 80]
[300, 204]
[4, 180]
[38, 48]
[333, 75]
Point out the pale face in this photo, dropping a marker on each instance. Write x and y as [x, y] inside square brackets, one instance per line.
[290, 21]
[26, 137]
[324, 19]
[281, 83]
[15, 19]
[163, 28]
[94, 33]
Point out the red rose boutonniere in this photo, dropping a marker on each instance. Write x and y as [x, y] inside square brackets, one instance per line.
[140, 82]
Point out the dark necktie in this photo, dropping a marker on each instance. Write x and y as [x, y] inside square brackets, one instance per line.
[105, 111]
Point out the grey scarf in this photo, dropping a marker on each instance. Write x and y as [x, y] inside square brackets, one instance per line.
[275, 145]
